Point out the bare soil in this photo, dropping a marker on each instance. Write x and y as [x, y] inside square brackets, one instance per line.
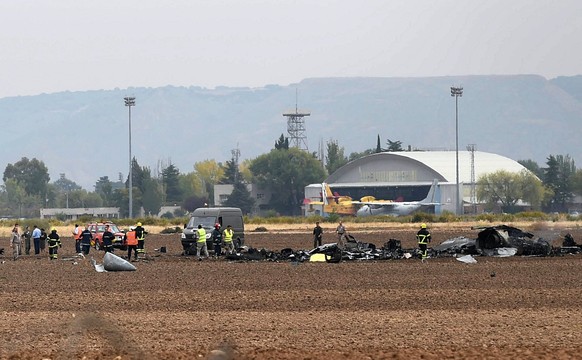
[175, 307]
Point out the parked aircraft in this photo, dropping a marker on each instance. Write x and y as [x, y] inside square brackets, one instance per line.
[371, 206]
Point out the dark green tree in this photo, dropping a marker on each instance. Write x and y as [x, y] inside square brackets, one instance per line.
[231, 172]
[152, 196]
[356, 155]
[282, 143]
[286, 172]
[335, 157]
[65, 185]
[394, 145]
[532, 166]
[31, 174]
[171, 180]
[241, 198]
[557, 177]
[378, 147]
[104, 188]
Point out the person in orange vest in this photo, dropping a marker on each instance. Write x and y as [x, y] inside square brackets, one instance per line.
[131, 242]
[77, 236]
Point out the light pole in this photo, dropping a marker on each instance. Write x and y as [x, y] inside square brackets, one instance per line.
[129, 102]
[457, 92]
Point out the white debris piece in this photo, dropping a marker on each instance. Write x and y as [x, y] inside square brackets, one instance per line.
[467, 259]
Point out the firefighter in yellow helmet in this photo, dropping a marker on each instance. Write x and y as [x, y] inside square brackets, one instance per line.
[54, 243]
[140, 234]
[423, 237]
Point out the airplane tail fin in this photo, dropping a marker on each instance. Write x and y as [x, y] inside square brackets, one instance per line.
[326, 193]
[431, 193]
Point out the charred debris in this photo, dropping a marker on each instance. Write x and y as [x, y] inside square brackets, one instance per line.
[499, 241]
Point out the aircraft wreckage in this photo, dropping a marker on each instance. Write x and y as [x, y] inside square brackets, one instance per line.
[500, 241]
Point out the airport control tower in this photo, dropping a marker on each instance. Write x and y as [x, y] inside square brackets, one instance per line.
[296, 128]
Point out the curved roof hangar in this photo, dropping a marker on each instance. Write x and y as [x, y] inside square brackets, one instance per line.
[420, 167]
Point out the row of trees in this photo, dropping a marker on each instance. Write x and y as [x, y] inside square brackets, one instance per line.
[283, 171]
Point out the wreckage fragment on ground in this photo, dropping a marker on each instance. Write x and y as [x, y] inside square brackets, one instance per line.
[500, 241]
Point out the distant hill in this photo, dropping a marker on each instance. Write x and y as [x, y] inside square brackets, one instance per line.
[85, 134]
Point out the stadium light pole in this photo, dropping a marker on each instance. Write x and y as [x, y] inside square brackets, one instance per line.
[457, 92]
[129, 102]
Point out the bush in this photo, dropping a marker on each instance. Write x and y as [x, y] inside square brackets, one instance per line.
[261, 229]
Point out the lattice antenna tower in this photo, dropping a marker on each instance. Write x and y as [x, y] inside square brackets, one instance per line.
[296, 126]
[235, 156]
[472, 148]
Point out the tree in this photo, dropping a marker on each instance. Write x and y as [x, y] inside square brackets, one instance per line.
[31, 174]
[356, 155]
[282, 143]
[241, 198]
[104, 188]
[231, 173]
[378, 147]
[505, 188]
[152, 196]
[557, 177]
[65, 185]
[532, 166]
[286, 172]
[335, 157]
[394, 145]
[208, 174]
[171, 181]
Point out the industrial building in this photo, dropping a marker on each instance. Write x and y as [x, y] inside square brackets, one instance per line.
[407, 176]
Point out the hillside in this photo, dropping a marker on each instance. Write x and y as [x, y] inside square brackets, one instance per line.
[85, 134]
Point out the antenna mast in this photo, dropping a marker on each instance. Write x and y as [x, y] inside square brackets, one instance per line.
[296, 126]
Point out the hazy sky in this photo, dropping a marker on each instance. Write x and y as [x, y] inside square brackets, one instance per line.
[52, 46]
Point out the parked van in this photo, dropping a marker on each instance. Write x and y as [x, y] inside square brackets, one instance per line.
[207, 217]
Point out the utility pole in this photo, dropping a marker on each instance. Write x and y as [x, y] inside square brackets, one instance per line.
[129, 102]
[457, 92]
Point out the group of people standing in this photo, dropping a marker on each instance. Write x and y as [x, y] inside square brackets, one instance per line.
[423, 238]
[340, 230]
[39, 239]
[219, 238]
[84, 240]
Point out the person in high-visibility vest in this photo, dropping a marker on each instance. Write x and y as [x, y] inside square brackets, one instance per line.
[54, 243]
[140, 233]
[423, 237]
[77, 236]
[131, 242]
[201, 242]
[227, 236]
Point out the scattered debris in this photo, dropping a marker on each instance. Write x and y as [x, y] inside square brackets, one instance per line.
[467, 259]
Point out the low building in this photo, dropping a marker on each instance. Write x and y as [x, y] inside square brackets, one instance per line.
[75, 213]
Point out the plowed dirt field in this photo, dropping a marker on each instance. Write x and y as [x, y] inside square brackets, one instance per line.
[175, 307]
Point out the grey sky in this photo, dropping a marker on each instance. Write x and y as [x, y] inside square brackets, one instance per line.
[51, 46]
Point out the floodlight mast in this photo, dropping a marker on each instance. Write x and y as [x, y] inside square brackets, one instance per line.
[457, 92]
[129, 102]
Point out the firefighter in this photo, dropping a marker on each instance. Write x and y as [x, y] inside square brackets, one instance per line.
[423, 237]
[54, 243]
[86, 240]
[201, 242]
[108, 238]
[217, 240]
[131, 243]
[227, 235]
[140, 234]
